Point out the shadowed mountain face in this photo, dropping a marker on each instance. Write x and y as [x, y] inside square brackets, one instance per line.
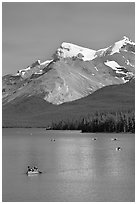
[34, 111]
[73, 73]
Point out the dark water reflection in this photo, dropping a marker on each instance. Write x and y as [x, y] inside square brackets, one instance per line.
[75, 167]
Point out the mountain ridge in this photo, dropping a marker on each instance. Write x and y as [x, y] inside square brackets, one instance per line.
[36, 112]
[69, 76]
[68, 86]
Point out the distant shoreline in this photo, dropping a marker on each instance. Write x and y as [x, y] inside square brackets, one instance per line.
[78, 131]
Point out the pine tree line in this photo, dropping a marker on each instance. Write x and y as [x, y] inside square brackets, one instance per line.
[100, 122]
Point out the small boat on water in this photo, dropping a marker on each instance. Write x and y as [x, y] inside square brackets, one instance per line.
[53, 140]
[33, 171]
[118, 149]
[29, 173]
[48, 128]
[113, 139]
[94, 138]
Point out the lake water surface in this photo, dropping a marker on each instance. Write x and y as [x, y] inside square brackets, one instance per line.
[75, 167]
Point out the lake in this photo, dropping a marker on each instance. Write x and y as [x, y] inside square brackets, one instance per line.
[75, 167]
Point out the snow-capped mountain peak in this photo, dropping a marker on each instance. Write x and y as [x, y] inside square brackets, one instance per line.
[119, 44]
[123, 44]
[72, 50]
[127, 40]
[34, 68]
[73, 72]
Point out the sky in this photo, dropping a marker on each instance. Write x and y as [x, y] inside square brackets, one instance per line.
[32, 31]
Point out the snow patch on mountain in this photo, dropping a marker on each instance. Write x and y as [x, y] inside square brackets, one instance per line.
[119, 44]
[114, 65]
[119, 70]
[46, 62]
[22, 71]
[124, 80]
[39, 72]
[101, 52]
[38, 64]
[71, 50]
[96, 69]
[128, 63]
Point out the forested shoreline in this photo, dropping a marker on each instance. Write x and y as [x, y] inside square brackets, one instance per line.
[100, 122]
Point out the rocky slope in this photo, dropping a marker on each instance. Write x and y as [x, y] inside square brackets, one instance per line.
[74, 72]
[34, 111]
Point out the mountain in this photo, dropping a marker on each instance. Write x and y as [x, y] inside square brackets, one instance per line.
[34, 111]
[73, 72]
[75, 82]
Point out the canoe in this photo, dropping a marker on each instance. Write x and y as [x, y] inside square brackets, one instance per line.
[29, 173]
